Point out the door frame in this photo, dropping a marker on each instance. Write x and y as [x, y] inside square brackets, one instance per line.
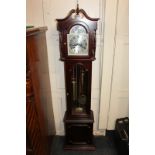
[110, 21]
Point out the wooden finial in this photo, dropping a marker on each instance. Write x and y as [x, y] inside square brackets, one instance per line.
[77, 9]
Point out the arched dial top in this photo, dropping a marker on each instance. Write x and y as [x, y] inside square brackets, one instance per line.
[77, 36]
[77, 29]
[77, 41]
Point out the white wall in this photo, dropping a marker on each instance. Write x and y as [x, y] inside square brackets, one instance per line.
[44, 13]
[34, 13]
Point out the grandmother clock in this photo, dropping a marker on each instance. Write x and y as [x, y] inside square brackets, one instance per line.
[77, 39]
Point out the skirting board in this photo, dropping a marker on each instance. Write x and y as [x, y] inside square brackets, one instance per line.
[95, 132]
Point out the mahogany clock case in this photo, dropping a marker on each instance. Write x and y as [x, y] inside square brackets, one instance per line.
[79, 118]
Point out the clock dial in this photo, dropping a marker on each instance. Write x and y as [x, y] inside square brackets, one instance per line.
[77, 29]
[77, 41]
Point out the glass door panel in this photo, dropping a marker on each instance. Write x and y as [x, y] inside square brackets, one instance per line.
[79, 89]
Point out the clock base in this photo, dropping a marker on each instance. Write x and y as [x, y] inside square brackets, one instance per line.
[79, 133]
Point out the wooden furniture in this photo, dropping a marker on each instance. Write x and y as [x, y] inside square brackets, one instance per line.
[36, 122]
[77, 38]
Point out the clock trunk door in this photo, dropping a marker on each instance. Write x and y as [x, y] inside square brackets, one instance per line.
[78, 88]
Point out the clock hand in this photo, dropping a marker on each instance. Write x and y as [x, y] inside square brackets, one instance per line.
[81, 45]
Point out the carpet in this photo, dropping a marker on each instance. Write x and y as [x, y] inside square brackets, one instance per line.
[104, 146]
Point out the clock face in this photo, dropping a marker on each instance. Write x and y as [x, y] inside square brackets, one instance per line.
[77, 40]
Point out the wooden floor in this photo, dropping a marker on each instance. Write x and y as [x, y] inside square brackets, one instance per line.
[104, 146]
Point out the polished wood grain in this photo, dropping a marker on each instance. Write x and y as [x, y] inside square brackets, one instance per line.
[36, 123]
